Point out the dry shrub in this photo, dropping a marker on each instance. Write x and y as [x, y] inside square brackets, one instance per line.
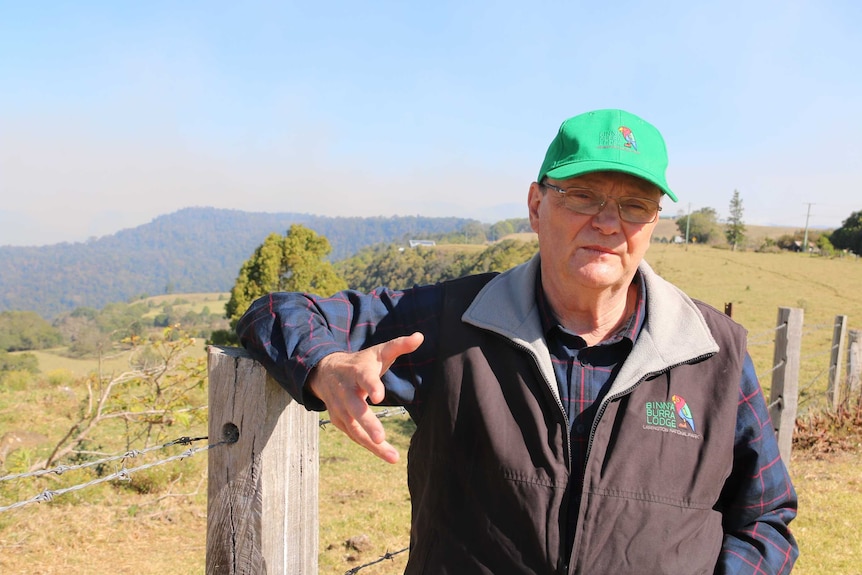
[830, 431]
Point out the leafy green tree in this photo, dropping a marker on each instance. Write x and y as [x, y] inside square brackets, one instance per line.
[503, 228]
[504, 255]
[825, 246]
[26, 330]
[849, 235]
[398, 267]
[735, 229]
[294, 262]
[703, 225]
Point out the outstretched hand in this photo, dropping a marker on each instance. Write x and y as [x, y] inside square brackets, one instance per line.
[345, 382]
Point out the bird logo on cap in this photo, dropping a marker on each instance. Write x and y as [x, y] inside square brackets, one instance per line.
[629, 138]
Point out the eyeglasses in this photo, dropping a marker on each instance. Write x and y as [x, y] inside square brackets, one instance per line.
[590, 202]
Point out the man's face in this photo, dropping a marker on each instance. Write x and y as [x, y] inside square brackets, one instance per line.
[598, 252]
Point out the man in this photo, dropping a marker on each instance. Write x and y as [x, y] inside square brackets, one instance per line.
[575, 414]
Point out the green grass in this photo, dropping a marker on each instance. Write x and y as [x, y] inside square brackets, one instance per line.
[53, 360]
[186, 302]
[757, 285]
[829, 525]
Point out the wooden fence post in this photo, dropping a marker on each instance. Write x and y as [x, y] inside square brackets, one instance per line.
[784, 393]
[854, 363]
[262, 490]
[839, 334]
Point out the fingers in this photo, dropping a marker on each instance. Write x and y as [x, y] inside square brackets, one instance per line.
[358, 431]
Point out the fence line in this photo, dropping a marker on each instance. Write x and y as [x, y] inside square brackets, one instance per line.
[61, 469]
[386, 557]
[123, 474]
[388, 412]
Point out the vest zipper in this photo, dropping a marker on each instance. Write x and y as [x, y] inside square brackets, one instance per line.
[605, 402]
[556, 398]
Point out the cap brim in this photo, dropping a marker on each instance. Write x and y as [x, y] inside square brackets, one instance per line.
[589, 166]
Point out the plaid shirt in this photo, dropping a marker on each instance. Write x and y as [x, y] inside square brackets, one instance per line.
[289, 333]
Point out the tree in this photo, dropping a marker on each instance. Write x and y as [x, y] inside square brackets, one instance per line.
[26, 330]
[849, 235]
[294, 262]
[503, 255]
[702, 227]
[162, 390]
[398, 267]
[735, 229]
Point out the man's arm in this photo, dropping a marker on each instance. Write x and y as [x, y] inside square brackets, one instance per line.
[758, 501]
[340, 352]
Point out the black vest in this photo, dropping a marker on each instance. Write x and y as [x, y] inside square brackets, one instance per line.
[488, 465]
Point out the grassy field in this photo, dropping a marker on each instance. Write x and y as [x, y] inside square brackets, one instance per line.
[122, 528]
[186, 302]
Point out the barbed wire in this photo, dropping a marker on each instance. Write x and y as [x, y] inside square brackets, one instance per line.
[812, 354]
[808, 386]
[388, 412]
[122, 475]
[61, 469]
[776, 366]
[754, 338]
[385, 557]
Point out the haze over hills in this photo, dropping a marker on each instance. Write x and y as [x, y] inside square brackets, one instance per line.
[191, 250]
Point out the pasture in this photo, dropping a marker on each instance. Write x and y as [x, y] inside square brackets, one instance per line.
[132, 528]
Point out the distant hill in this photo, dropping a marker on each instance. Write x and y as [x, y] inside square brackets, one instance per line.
[191, 250]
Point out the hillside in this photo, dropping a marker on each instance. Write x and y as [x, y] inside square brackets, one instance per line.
[191, 250]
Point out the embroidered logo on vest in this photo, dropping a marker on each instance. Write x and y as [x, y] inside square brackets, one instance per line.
[671, 417]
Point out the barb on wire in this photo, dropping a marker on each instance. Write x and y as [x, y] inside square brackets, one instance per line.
[61, 469]
[388, 412]
[386, 556]
[778, 365]
[122, 475]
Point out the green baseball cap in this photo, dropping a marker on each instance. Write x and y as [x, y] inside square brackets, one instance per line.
[612, 140]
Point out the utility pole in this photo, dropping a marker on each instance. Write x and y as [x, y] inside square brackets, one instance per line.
[687, 225]
[805, 238]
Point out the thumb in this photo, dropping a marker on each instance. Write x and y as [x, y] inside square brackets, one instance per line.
[389, 351]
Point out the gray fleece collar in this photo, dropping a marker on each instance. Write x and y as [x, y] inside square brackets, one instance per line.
[673, 333]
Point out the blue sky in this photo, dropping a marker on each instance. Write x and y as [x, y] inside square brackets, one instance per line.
[112, 113]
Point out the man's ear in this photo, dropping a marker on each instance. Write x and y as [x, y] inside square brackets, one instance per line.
[534, 199]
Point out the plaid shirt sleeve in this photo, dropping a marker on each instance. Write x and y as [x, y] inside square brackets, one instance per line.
[758, 501]
[289, 333]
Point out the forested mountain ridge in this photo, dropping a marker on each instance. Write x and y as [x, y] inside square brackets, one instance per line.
[191, 250]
